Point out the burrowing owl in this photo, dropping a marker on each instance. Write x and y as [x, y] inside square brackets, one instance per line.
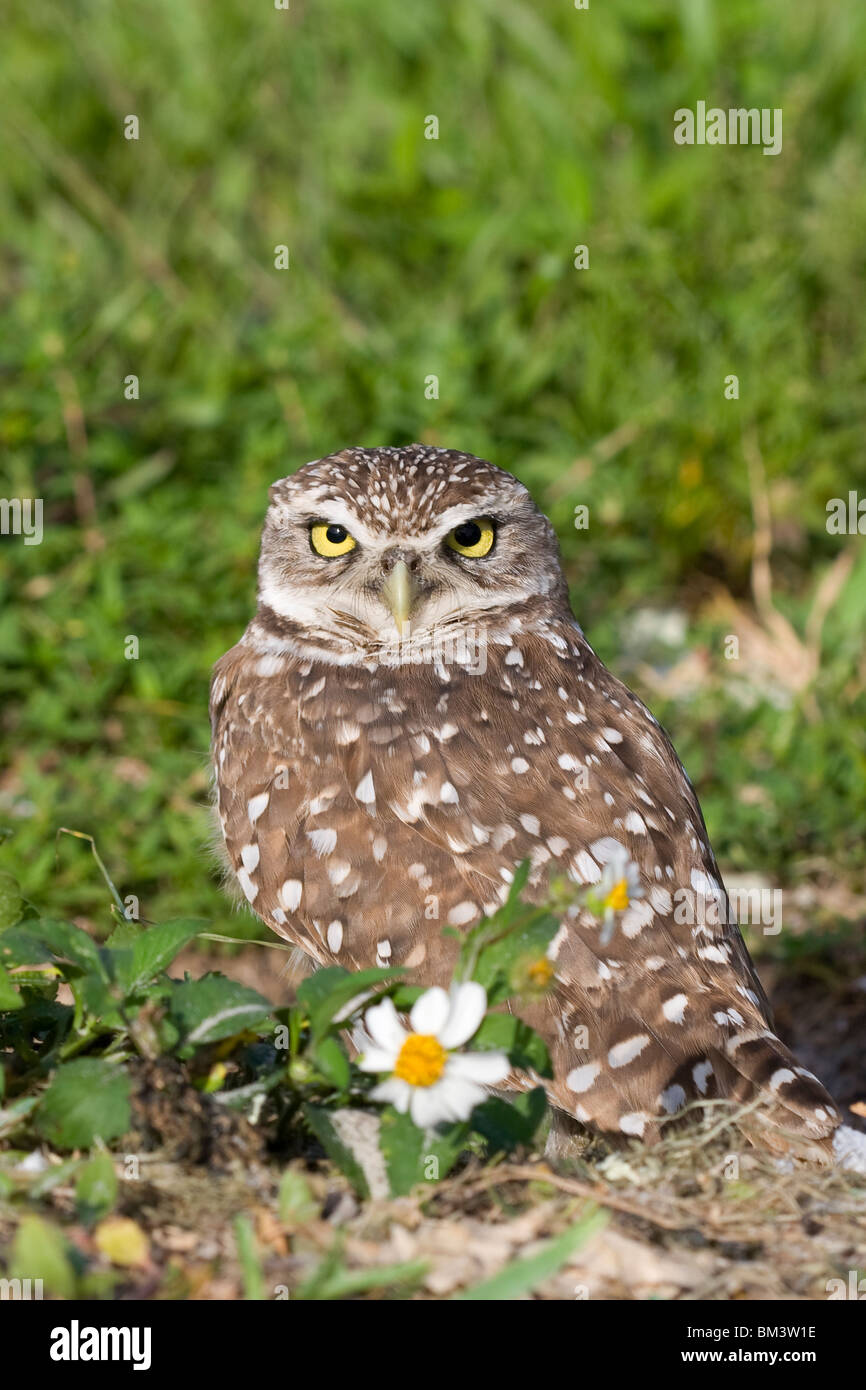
[412, 712]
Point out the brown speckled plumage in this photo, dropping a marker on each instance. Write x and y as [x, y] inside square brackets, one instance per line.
[371, 794]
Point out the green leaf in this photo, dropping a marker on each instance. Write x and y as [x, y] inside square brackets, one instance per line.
[9, 996]
[522, 1276]
[296, 1203]
[518, 883]
[11, 901]
[252, 1275]
[39, 1251]
[442, 1151]
[214, 1007]
[62, 941]
[509, 1034]
[330, 1057]
[527, 937]
[320, 1122]
[401, 1142]
[331, 1280]
[506, 1124]
[96, 1188]
[154, 949]
[19, 947]
[15, 1115]
[329, 991]
[404, 996]
[59, 1174]
[86, 1099]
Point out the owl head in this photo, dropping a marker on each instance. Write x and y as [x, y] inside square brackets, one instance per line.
[367, 542]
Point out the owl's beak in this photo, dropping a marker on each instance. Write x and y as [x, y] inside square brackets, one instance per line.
[399, 592]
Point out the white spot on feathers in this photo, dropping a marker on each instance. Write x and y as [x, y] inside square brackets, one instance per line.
[672, 1099]
[675, 1007]
[634, 1123]
[290, 894]
[462, 914]
[365, 791]
[582, 1078]
[323, 841]
[584, 868]
[701, 1072]
[781, 1078]
[624, 1052]
[250, 888]
[256, 805]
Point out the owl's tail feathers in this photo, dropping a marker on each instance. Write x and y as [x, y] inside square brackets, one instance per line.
[796, 1115]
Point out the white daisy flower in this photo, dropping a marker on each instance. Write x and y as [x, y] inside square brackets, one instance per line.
[428, 1078]
[618, 886]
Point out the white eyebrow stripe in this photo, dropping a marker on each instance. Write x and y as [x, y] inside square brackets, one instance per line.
[338, 513]
[462, 511]
[335, 514]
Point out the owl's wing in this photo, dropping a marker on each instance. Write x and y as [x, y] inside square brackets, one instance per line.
[550, 758]
[363, 812]
[301, 819]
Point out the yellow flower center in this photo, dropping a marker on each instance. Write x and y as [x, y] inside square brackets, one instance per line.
[540, 972]
[421, 1061]
[617, 898]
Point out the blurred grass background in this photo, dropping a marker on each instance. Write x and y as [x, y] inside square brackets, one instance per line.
[412, 257]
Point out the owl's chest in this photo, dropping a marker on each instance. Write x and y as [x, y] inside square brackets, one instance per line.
[479, 770]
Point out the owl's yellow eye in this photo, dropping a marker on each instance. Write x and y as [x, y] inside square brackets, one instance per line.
[472, 538]
[331, 540]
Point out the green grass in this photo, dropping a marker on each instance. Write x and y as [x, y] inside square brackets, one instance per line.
[412, 257]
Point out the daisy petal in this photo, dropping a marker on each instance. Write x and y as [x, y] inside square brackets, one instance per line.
[377, 1059]
[468, 1005]
[487, 1068]
[429, 1106]
[394, 1092]
[460, 1097]
[430, 1011]
[384, 1026]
